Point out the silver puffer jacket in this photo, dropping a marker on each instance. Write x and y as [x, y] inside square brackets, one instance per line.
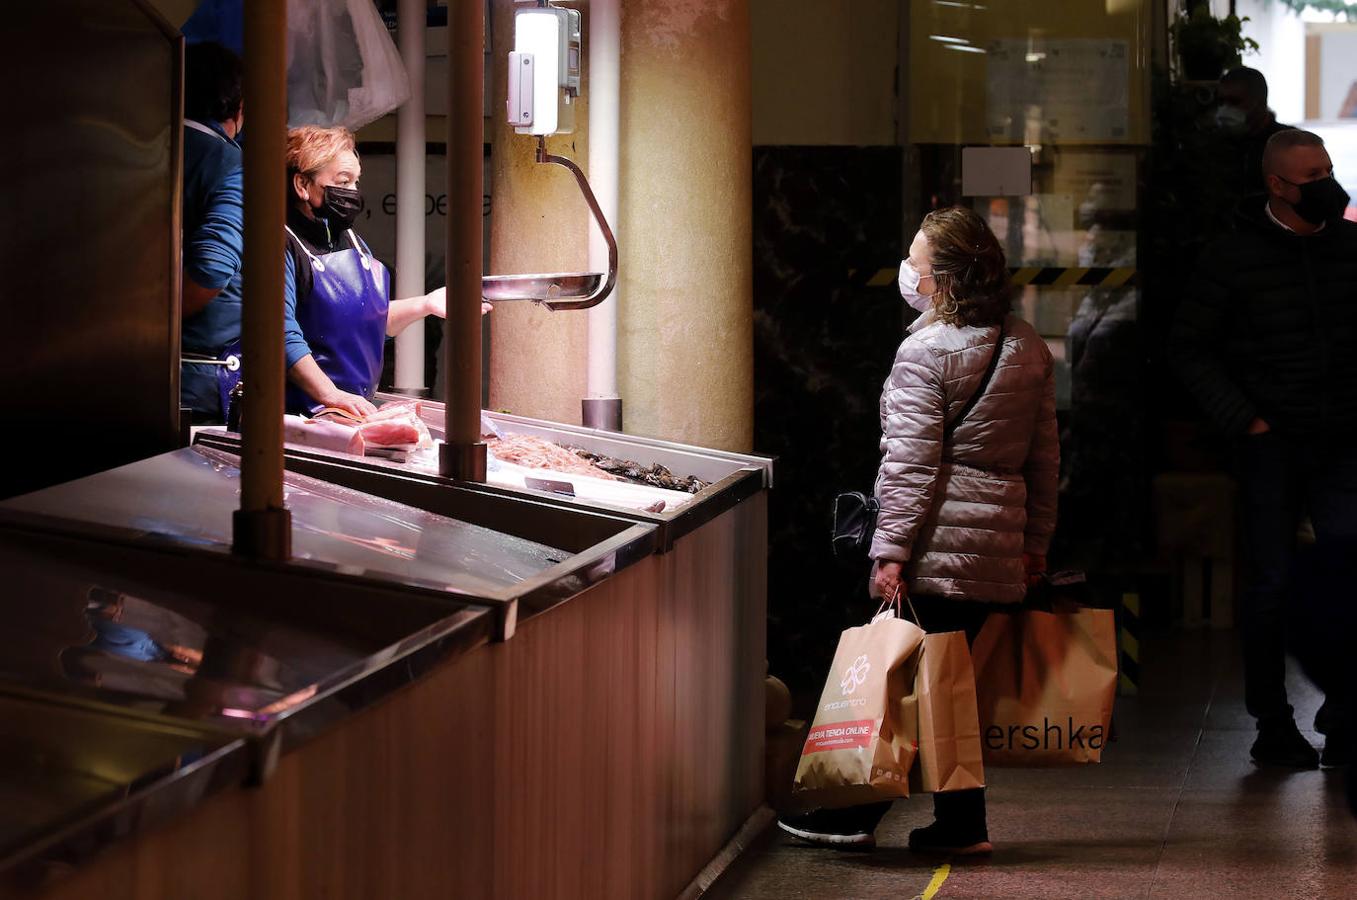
[961, 514]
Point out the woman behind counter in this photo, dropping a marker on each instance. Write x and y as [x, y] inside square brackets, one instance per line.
[338, 312]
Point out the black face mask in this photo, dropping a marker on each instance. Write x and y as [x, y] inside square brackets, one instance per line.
[341, 206]
[1320, 201]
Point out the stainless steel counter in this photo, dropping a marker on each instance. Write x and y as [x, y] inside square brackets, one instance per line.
[135, 680]
[531, 557]
[731, 477]
[126, 615]
[128, 605]
[231, 648]
[74, 779]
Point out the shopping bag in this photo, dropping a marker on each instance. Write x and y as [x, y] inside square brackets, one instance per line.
[948, 730]
[1044, 686]
[862, 742]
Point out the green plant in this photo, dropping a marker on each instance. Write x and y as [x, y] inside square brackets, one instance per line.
[1207, 46]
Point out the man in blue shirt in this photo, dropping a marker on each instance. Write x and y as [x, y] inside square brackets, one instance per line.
[213, 223]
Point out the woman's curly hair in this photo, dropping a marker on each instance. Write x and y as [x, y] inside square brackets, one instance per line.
[969, 268]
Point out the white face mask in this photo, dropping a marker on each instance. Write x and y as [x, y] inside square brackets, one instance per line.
[1231, 119]
[909, 288]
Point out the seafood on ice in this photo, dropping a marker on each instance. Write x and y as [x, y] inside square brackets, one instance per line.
[538, 453]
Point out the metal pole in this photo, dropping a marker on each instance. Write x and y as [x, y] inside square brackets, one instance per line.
[262, 527]
[602, 407]
[462, 455]
[412, 16]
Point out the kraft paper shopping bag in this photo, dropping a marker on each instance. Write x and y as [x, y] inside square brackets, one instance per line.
[1044, 686]
[862, 742]
[949, 755]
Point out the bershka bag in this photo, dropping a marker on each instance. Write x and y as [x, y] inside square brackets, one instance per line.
[855, 512]
[1045, 684]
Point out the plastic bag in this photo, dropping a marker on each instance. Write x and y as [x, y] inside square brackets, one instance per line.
[343, 68]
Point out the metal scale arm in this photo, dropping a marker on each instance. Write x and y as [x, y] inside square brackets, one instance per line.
[562, 291]
[606, 288]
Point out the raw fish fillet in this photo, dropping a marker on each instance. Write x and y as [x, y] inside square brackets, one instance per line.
[397, 410]
[398, 432]
[325, 435]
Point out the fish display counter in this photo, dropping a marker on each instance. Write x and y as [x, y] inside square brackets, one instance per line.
[157, 701]
[702, 617]
[676, 487]
[481, 693]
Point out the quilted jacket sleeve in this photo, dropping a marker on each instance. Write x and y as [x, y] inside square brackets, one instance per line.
[1042, 470]
[912, 411]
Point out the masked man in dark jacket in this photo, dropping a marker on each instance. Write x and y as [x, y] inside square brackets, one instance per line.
[1266, 340]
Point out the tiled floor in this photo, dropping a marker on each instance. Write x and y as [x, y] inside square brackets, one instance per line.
[1176, 810]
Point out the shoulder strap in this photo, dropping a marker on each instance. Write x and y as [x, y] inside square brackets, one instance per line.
[980, 388]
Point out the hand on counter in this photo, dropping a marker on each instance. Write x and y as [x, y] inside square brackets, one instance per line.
[350, 403]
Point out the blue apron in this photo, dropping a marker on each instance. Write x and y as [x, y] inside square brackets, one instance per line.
[344, 319]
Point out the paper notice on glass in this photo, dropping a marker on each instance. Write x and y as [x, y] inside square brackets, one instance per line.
[1058, 90]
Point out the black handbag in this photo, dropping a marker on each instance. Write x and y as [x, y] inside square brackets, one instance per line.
[854, 523]
[855, 512]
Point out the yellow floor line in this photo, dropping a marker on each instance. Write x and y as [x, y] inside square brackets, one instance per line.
[939, 877]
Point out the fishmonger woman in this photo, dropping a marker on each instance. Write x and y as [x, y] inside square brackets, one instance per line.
[338, 311]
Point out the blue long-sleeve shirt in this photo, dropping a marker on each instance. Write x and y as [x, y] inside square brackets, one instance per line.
[294, 342]
[214, 240]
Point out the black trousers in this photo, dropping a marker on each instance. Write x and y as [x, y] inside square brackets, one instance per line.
[1282, 480]
[965, 809]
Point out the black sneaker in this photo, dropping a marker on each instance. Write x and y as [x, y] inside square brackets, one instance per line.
[1280, 743]
[1337, 751]
[828, 829]
[941, 838]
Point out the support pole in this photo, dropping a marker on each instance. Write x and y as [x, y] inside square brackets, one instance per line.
[410, 143]
[602, 407]
[462, 456]
[262, 527]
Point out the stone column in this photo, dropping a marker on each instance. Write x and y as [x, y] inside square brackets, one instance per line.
[685, 353]
[685, 368]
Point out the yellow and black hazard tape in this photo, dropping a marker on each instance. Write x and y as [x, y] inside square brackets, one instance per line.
[1038, 276]
[1074, 276]
[1128, 638]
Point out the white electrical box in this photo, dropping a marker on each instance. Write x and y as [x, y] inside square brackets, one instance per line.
[544, 70]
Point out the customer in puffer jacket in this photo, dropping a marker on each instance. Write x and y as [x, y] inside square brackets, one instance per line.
[1266, 341]
[968, 506]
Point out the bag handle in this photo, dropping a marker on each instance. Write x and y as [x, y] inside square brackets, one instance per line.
[894, 603]
[981, 388]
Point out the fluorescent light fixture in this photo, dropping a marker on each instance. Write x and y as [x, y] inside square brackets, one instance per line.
[959, 5]
[966, 49]
[947, 40]
[539, 33]
[1035, 57]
